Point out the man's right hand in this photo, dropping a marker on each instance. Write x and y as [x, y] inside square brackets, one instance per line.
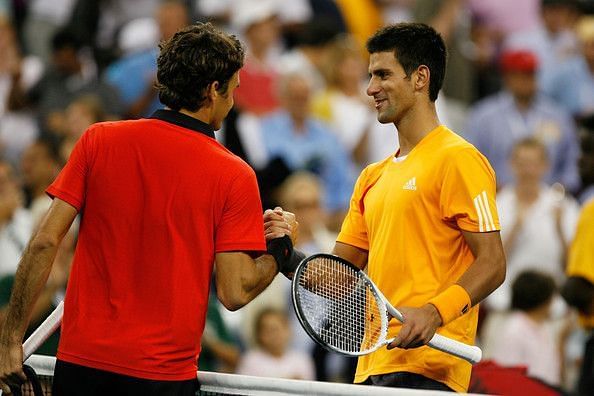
[11, 366]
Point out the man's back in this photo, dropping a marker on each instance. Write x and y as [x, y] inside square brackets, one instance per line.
[155, 198]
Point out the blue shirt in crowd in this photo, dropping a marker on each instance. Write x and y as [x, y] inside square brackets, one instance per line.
[495, 125]
[314, 149]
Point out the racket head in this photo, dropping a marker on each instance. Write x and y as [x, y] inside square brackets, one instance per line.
[338, 305]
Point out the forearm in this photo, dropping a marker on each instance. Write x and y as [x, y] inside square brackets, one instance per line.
[483, 277]
[30, 280]
[256, 279]
[240, 278]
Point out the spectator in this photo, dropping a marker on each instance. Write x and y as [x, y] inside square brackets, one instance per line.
[343, 104]
[450, 20]
[572, 86]
[15, 221]
[578, 291]
[72, 74]
[258, 21]
[496, 123]
[526, 338]
[304, 143]
[134, 74]
[273, 357]
[553, 40]
[41, 163]
[537, 221]
[314, 42]
[18, 73]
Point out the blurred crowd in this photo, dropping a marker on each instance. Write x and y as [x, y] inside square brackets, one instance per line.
[519, 86]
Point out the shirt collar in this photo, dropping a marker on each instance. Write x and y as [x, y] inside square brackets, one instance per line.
[184, 121]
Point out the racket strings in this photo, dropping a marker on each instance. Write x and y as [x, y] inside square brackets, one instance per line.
[340, 306]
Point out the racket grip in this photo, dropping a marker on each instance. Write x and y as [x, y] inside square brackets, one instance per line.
[470, 353]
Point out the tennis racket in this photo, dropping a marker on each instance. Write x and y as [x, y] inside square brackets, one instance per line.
[344, 311]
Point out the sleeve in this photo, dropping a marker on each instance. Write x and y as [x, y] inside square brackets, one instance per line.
[241, 226]
[467, 196]
[71, 184]
[354, 231]
[581, 253]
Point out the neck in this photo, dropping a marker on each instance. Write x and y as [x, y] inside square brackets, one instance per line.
[528, 192]
[415, 125]
[203, 114]
[298, 124]
[538, 315]
[523, 103]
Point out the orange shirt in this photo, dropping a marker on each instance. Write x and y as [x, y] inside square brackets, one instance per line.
[409, 215]
[581, 254]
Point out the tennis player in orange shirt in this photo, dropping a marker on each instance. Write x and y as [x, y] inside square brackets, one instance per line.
[423, 222]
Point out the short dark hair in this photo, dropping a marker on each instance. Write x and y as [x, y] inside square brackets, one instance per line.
[531, 289]
[413, 44]
[66, 38]
[191, 60]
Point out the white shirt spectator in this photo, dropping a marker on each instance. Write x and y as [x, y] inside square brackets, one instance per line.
[14, 237]
[537, 246]
[524, 342]
[292, 365]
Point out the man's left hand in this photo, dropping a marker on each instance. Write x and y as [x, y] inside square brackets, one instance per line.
[418, 328]
[11, 367]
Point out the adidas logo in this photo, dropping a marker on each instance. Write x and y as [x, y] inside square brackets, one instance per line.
[411, 184]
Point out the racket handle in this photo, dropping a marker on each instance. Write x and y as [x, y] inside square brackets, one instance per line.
[46, 329]
[470, 353]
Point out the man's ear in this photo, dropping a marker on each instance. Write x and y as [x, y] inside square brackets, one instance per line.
[422, 76]
[212, 90]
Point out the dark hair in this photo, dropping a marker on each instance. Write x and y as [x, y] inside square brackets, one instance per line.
[531, 289]
[66, 38]
[191, 60]
[413, 44]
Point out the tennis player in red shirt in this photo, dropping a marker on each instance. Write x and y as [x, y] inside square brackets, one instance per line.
[160, 201]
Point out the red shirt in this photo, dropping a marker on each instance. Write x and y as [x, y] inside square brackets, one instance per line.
[158, 198]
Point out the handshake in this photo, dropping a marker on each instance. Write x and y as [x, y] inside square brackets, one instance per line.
[281, 230]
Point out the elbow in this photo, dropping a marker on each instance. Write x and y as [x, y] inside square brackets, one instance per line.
[42, 242]
[231, 300]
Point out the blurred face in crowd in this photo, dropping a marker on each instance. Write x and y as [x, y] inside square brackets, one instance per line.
[66, 60]
[171, 17]
[224, 102]
[296, 96]
[78, 118]
[529, 164]
[303, 197]
[38, 167]
[263, 34]
[521, 84]
[557, 18]
[390, 87]
[351, 70]
[273, 333]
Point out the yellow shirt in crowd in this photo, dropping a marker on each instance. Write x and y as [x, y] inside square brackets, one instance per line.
[581, 253]
[409, 215]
